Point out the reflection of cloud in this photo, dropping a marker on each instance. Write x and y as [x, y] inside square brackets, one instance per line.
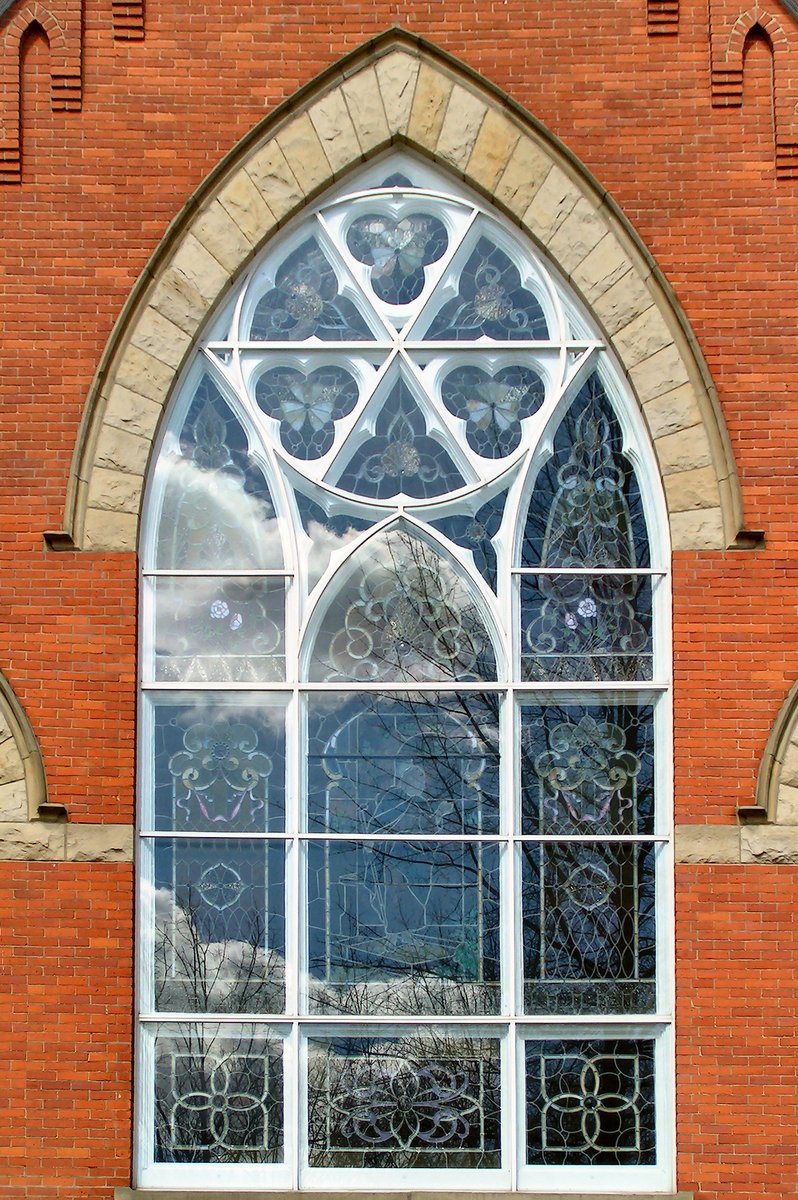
[211, 618]
[325, 543]
[267, 712]
[208, 519]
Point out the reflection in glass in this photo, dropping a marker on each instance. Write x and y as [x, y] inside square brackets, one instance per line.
[476, 533]
[381, 764]
[305, 302]
[590, 1103]
[586, 509]
[493, 406]
[397, 250]
[219, 630]
[587, 768]
[401, 458]
[491, 302]
[403, 927]
[328, 533]
[404, 1102]
[307, 406]
[220, 766]
[219, 925]
[404, 614]
[218, 1094]
[586, 627]
[589, 927]
[217, 510]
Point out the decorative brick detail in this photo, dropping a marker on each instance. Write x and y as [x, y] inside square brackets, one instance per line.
[351, 112]
[63, 28]
[128, 20]
[663, 18]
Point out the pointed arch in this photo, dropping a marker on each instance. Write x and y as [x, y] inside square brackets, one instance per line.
[777, 781]
[399, 88]
[23, 787]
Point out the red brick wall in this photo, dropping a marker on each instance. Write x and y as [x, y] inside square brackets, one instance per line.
[98, 189]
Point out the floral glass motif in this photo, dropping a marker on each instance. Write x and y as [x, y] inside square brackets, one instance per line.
[588, 927]
[405, 614]
[306, 302]
[587, 769]
[382, 1102]
[219, 630]
[491, 303]
[217, 510]
[397, 249]
[586, 510]
[307, 405]
[219, 925]
[493, 406]
[590, 1102]
[401, 458]
[218, 1095]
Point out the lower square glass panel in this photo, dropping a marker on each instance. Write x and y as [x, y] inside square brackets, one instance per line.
[590, 1102]
[404, 1102]
[218, 1094]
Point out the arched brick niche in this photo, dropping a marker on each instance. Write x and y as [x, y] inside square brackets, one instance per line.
[400, 89]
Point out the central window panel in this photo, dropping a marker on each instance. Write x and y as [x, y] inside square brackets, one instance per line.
[404, 851]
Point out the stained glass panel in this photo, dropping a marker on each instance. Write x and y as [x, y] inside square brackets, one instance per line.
[588, 927]
[493, 405]
[218, 1094]
[219, 766]
[307, 405]
[491, 302]
[217, 510]
[586, 509]
[219, 630]
[586, 627]
[590, 1102]
[404, 614]
[476, 533]
[397, 249]
[403, 764]
[403, 927]
[401, 457]
[306, 302]
[328, 533]
[219, 924]
[404, 1102]
[587, 768]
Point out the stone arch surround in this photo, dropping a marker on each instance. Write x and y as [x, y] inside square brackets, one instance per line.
[399, 89]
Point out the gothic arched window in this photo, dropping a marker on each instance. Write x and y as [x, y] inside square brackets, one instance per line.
[404, 780]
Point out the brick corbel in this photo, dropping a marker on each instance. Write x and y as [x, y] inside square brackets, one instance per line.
[64, 33]
[128, 16]
[662, 18]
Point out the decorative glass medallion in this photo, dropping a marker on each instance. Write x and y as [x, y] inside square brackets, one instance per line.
[397, 249]
[491, 303]
[307, 406]
[493, 405]
[306, 302]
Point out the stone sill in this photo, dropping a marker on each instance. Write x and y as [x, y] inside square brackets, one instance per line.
[166, 1194]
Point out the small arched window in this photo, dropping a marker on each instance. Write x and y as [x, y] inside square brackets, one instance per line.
[404, 789]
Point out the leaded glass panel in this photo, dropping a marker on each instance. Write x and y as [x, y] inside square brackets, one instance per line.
[493, 405]
[307, 405]
[306, 302]
[590, 1102]
[397, 250]
[404, 1102]
[491, 302]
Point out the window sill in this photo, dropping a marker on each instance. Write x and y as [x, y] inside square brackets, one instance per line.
[125, 1193]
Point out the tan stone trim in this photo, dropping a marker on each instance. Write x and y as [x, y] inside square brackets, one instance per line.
[59, 841]
[399, 88]
[738, 845]
[22, 782]
[777, 781]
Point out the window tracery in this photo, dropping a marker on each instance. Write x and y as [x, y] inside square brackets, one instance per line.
[403, 837]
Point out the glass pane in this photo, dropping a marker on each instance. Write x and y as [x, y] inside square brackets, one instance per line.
[587, 768]
[328, 533]
[491, 303]
[476, 533]
[219, 630]
[378, 764]
[307, 405]
[590, 1103]
[589, 928]
[493, 405]
[403, 927]
[397, 249]
[219, 765]
[401, 459]
[404, 614]
[305, 302]
[219, 936]
[217, 510]
[586, 509]
[404, 1102]
[218, 1094]
[586, 627]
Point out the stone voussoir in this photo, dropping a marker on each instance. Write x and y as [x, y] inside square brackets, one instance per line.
[397, 74]
[461, 125]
